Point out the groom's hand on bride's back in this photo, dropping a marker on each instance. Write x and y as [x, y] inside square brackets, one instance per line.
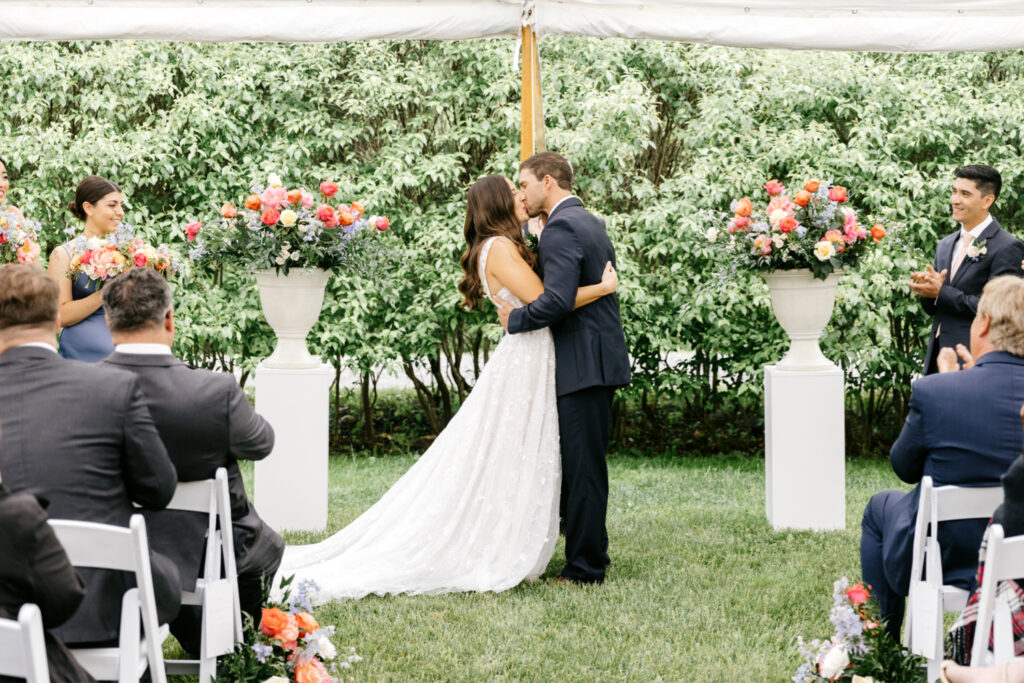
[504, 309]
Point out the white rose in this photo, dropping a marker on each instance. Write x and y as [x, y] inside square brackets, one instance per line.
[276, 679]
[862, 679]
[834, 663]
[288, 218]
[777, 216]
[824, 250]
[779, 239]
[326, 648]
[712, 234]
[274, 180]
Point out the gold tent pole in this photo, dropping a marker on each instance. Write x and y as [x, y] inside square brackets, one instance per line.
[528, 90]
[538, 100]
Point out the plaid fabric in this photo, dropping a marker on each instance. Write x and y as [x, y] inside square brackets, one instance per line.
[961, 636]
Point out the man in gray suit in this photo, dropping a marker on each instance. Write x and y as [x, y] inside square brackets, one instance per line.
[80, 437]
[206, 422]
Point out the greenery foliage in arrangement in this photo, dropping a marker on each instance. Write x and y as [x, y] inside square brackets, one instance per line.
[659, 145]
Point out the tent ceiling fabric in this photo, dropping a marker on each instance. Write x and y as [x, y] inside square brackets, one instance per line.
[886, 25]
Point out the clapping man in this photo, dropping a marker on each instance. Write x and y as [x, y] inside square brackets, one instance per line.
[965, 260]
[963, 429]
[206, 422]
[80, 436]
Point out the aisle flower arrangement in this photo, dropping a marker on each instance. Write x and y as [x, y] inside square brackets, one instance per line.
[812, 227]
[288, 645]
[860, 651]
[101, 258]
[283, 229]
[18, 237]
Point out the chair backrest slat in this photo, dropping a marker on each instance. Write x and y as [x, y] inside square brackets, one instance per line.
[962, 502]
[22, 648]
[100, 546]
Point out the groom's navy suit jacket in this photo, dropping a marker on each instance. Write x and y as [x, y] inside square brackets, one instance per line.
[964, 429]
[590, 347]
[953, 310]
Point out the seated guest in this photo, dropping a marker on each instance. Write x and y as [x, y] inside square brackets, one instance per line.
[964, 429]
[1011, 516]
[206, 422]
[81, 437]
[34, 568]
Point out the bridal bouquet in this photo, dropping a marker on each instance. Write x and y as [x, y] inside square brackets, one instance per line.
[18, 238]
[810, 228]
[860, 651]
[283, 229]
[289, 645]
[101, 258]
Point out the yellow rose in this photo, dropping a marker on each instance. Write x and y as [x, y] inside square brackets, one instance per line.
[824, 250]
[288, 218]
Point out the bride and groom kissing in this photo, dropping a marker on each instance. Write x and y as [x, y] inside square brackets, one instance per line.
[479, 510]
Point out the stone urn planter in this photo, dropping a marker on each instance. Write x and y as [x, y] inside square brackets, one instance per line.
[803, 305]
[291, 304]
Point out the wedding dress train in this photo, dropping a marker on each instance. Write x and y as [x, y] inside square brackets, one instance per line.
[478, 511]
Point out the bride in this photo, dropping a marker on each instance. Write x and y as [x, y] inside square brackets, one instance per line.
[479, 510]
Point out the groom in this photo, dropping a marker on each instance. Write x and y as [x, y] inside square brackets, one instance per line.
[590, 354]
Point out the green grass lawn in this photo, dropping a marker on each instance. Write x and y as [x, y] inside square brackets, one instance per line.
[700, 587]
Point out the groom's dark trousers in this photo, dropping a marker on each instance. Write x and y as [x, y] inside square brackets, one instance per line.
[591, 361]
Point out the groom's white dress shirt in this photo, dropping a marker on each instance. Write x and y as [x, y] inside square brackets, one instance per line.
[41, 345]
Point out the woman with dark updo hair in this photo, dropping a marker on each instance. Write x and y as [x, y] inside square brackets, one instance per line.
[85, 335]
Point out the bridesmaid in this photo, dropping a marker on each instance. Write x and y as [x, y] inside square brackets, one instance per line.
[85, 335]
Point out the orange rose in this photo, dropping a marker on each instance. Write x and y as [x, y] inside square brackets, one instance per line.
[812, 186]
[253, 202]
[802, 198]
[306, 622]
[788, 224]
[272, 621]
[357, 209]
[878, 232]
[858, 594]
[311, 671]
[744, 207]
[229, 210]
[345, 217]
[294, 197]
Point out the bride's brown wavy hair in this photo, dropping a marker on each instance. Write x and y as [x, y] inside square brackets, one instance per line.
[490, 212]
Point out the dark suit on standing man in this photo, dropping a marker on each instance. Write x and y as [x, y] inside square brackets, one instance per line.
[591, 362]
[206, 422]
[34, 568]
[963, 429]
[81, 437]
[953, 310]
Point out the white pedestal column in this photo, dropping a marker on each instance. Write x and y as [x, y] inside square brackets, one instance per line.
[291, 482]
[805, 449]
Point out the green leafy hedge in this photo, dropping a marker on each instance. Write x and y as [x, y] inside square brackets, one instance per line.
[662, 136]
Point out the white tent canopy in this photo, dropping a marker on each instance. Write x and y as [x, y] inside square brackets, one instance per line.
[886, 25]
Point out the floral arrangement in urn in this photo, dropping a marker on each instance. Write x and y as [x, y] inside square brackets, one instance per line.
[101, 258]
[283, 229]
[18, 237]
[860, 651]
[288, 645]
[811, 228]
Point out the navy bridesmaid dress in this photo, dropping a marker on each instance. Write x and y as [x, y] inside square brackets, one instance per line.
[89, 339]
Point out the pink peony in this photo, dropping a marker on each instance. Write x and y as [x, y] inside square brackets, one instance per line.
[837, 194]
[383, 223]
[270, 216]
[329, 188]
[306, 199]
[325, 213]
[774, 187]
[192, 229]
[274, 198]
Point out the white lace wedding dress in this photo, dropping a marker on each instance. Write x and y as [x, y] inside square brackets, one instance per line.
[479, 509]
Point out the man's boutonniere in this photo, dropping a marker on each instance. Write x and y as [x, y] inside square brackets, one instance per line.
[977, 250]
[533, 242]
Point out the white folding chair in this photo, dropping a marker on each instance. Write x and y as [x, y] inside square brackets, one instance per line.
[1004, 559]
[22, 648]
[216, 594]
[140, 642]
[929, 598]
